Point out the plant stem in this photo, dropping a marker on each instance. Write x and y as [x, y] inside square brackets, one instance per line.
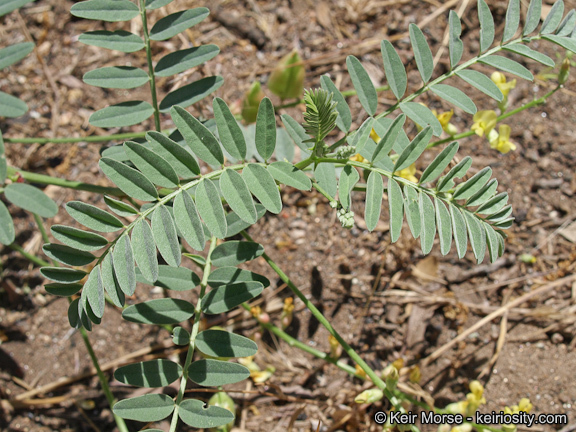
[93, 138]
[40, 224]
[49, 180]
[32, 258]
[193, 334]
[151, 75]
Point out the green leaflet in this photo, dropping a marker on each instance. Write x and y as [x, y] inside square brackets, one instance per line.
[504, 224]
[119, 40]
[105, 10]
[458, 171]
[229, 131]
[218, 343]
[210, 208]
[188, 221]
[94, 289]
[29, 198]
[288, 174]
[202, 142]
[194, 413]
[235, 224]
[177, 22]
[92, 217]
[484, 194]
[227, 297]
[439, 163]
[363, 84]
[444, 226]
[348, 179]
[361, 136]
[412, 210]
[284, 146]
[491, 241]
[455, 44]
[394, 68]
[507, 65]
[177, 156]
[263, 187]
[63, 274]
[388, 140]
[226, 275]
[159, 311]
[146, 408]
[296, 132]
[151, 373]
[124, 268]
[344, 120]
[473, 184]
[120, 77]
[486, 26]
[172, 278]
[156, 4]
[180, 61]
[191, 93]
[67, 255]
[553, 18]
[7, 233]
[8, 6]
[422, 116]
[525, 51]
[63, 290]
[11, 106]
[427, 223]
[482, 83]
[210, 372]
[232, 253]
[477, 236]
[265, 129]
[132, 182]
[500, 215]
[77, 238]
[73, 317]
[565, 42]
[325, 175]
[110, 282]
[165, 236]
[123, 114]
[455, 96]
[120, 207]
[512, 20]
[413, 151]
[14, 53]
[422, 53]
[493, 205]
[145, 250]
[373, 207]
[157, 169]
[180, 336]
[567, 25]
[532, 17]
[459, 230]
[237, 195]
[396, 208]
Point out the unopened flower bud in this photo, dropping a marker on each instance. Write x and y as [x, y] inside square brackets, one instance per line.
[251, 102]
[335, 347]
[221, 399]
[287, 312]
[391, 376]
[369, 396]
[287, 81]
[564, 71]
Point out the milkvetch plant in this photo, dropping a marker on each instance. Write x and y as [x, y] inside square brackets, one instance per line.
[165, 209]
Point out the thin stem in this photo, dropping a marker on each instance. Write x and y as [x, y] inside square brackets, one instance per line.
[193, 334]
[49, 180]
[93, 138]
[32, 258]
[151, 75]
[40, 224]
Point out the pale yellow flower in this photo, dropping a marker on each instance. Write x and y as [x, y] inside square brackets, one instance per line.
[374, 136]
[408, 173]
[500, 80]
[484, 122]
[475, 398]
[444, 118]
[358, 158]
[502, 141]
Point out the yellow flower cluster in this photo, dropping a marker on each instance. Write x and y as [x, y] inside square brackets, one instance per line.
[473, 401]
[523, 406]
[484, 123]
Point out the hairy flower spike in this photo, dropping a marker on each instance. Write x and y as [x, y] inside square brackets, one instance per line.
[320, 116]
[346, 218]
[345, 152]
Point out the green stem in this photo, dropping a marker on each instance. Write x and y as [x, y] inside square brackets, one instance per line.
[32, 258]
[193, 334]
[49, 180]
[142, 5]
[94, 138]
[40, 224]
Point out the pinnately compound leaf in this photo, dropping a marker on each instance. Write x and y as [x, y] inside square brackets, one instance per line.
[422, 53]
[146, 408]
[180, 61]
[129, 180]
[7, 233]
[210, 208]
[159, 311]
[455, 44]
[119, 40]
[507, 65]
[512, 20]
[444, 226]
[188, 221]
[198, 137]
[124, 269]
[344, 120]
[455, 96]
[422, 116]
[208, 372]
[237, 195]
[427, 223]
[151, 373]
[105, 10]
[439, 163]
[32, 199]
[265, 129]
[157, 169]
[196, 414]
[532, 17]
[191, 93]
[165, 236]
[123, 114]
[227, 297]
[92, 217]
[177, 156]
[373, 207]
[120, 77]
[177, 22]
[263, 187]
[232, 253]
[77, 238]
[288, 174]
[219, 343]
[486, 26]
[482, 83]
[348, 179]
[363, 84]
[229, 131]
[396, 207]
[144, 250]
[394, 68]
